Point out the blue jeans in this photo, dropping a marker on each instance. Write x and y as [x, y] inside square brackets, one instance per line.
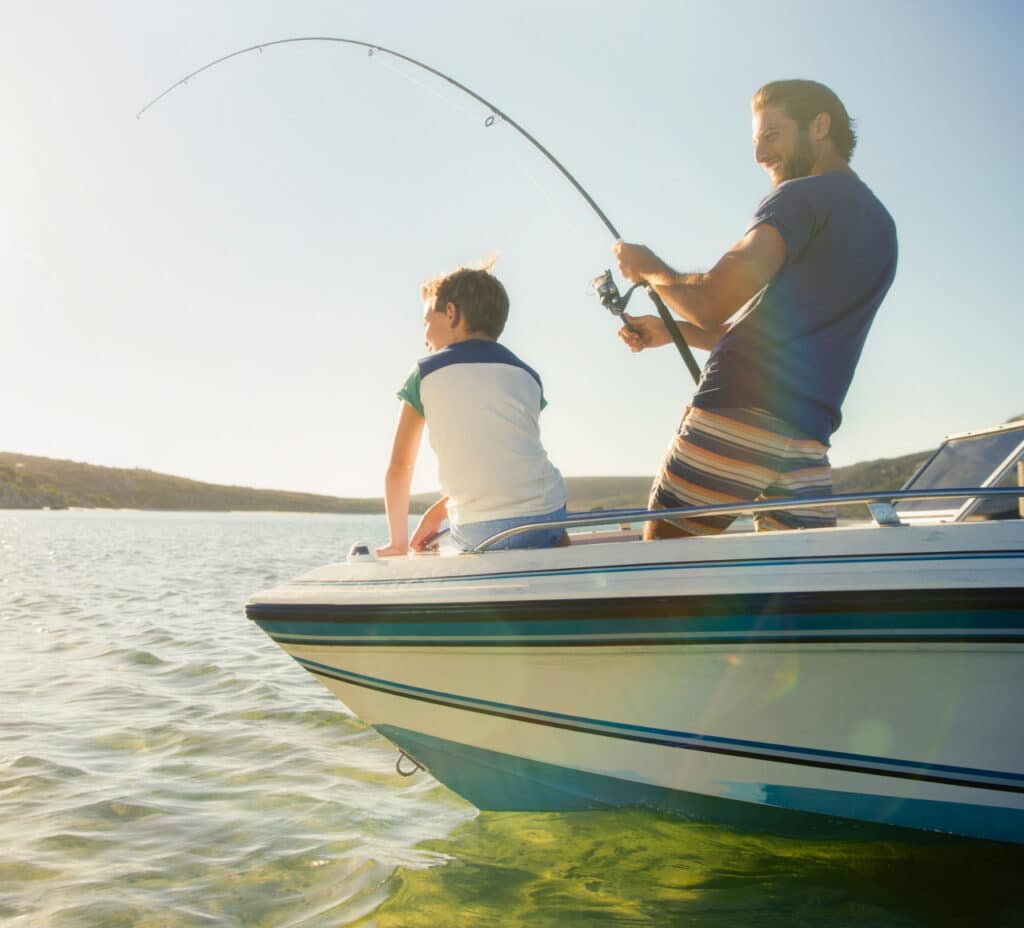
[468, 536]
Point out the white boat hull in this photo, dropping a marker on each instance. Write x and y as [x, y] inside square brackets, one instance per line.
[795, 681]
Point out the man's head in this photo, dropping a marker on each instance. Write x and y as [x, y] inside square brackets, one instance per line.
[467, 303]
[800, 128]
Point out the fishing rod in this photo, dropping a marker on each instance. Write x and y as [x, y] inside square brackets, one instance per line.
[609, 295]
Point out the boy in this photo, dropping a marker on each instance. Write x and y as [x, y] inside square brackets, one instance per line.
[482, 405]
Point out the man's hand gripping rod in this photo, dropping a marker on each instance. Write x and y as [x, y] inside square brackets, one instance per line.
[615, 303]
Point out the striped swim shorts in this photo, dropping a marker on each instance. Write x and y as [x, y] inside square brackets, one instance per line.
[735, 456]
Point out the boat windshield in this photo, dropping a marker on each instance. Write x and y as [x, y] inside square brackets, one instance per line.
[973, 459]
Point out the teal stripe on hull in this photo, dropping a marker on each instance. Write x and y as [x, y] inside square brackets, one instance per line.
[486, 623]
[503, 782]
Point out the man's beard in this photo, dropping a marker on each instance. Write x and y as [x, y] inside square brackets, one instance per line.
[801, 162]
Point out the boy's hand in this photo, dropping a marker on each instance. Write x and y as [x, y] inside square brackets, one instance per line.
[391, 550]
[429, 525]
[426, 543]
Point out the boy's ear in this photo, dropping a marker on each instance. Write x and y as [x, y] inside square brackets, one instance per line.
[453, 314]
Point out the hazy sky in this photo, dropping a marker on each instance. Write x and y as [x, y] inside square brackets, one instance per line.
[228, 288]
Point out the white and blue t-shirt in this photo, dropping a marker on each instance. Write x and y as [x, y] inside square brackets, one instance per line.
[482, 406]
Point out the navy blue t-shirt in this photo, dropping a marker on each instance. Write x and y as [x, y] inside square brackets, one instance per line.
[794, 349]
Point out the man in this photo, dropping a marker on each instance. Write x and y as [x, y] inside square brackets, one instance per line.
[812, 269]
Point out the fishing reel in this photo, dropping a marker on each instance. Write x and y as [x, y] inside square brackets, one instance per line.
[608, 293]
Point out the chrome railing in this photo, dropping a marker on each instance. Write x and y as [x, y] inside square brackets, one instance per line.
[880, 505]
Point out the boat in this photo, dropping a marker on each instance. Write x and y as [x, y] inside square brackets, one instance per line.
[861, 679]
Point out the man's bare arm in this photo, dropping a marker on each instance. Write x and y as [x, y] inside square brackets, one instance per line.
[708, 300]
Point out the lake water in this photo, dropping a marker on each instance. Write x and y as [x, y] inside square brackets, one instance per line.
[163, 763]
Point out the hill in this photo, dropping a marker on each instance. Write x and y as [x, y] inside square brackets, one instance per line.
[882, 474]
[625, 492]
[28, 482]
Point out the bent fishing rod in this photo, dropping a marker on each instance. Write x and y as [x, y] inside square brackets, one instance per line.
[605, 286]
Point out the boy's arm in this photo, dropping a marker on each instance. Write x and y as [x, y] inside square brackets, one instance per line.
[398, 480]
[429, 525]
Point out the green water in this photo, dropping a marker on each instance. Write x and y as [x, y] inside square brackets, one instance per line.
[638, 868]
[162, 763]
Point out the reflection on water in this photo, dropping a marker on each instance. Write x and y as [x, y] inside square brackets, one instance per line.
[640, 868]
[164, 765]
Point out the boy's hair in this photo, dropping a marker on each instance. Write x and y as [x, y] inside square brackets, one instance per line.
[476, 293]
[802, 101]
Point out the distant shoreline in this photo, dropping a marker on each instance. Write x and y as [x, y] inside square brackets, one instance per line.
[29, 482]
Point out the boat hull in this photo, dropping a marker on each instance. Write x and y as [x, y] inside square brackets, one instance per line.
[768, 691]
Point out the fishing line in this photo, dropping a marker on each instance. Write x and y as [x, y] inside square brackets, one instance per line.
[450, 101]
[491, 122]
[494, 115]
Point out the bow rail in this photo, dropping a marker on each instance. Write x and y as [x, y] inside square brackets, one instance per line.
[881, 505]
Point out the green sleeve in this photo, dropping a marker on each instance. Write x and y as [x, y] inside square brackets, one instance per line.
[410, 392]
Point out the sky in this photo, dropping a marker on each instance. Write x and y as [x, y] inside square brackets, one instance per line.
[227, 288]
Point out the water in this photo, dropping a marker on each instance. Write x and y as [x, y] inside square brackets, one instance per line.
[163, 763]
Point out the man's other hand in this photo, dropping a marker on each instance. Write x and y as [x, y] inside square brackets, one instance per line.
[647, 332]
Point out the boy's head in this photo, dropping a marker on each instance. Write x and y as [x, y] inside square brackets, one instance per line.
[479, 300]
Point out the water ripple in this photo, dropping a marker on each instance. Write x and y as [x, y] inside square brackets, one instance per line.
[161, 762]
[164, 765]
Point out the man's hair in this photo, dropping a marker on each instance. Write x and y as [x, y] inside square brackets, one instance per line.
[476, 293]
[802, 101]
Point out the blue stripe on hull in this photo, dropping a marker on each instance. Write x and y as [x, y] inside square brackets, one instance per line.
[503, 782]
[1003, 781]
